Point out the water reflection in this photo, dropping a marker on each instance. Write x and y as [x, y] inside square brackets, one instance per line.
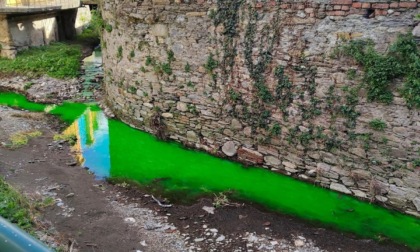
[92, 146]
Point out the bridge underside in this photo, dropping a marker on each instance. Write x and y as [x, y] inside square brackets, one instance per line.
[21, 30]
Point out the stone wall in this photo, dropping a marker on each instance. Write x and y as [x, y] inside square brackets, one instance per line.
[255, 82]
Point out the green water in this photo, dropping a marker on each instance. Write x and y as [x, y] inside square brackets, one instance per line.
[115, 150]
[67, 111]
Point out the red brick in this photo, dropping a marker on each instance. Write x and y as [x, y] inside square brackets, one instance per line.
[349, 2]
[345, 8]
[284, 6]
[408, 5]
[380, 6]
[250, 156]
[379, 12]
[357, 5]
[393, 5]
[366, 5]
[337, 7]
[309, 10]
[272, 3]
[336, 13]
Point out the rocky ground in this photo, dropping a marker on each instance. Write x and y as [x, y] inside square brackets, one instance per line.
[91, 215]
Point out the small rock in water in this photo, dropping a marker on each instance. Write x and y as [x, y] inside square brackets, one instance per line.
[213, 230]
[198, 239]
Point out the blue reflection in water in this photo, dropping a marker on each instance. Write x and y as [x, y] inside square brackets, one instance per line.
[94, 142]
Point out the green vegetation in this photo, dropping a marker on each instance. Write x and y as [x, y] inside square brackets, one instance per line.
[119, 53]
[93, 31]
[211, 63]
[220, 200]
[14, 207]
[377, 124]
[57, 60]
[20, 139]
[28, 85]
[402, 60]
[187, 67]
[70, 138]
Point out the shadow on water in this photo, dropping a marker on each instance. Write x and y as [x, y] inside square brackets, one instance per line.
[111, 149]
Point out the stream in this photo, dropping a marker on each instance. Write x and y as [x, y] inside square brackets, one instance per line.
[112, 149]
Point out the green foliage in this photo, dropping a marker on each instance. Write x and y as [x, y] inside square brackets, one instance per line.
[28, 85]
[220, 200]
[227, 14]
[132, 90]
[166, 68]
[275, 130]
[234, 96]
[70, 138]
[108, 28]
[170, 55]
[348, 109]
[187, 68]
[14, 207]
[149, 60]
[211, 63]
[119, 53]
[57, 60]
[284, 95]
[132, 54]
[20, 139]
[94, 29]
[402, 60]
[377, 124]
[351, 74]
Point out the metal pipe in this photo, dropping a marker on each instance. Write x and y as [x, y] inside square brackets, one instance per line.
[14, 239]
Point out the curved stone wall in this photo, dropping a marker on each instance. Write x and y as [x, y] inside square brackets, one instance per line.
[256, 81]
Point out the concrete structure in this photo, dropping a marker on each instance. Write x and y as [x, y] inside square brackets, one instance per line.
[255, 81]
[26, 23]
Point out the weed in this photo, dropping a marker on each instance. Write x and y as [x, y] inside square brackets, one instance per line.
[20, 139]
[220, 200]
[166, 68]
[14, 207]
[132, 90]
[171, 56]
[119, 53]
[377, 124]
[402, 60]
[108, 28]
[70, 138]
[28, 85]
[211, 64]
[57, 60]
[187, 68]
[275, 130]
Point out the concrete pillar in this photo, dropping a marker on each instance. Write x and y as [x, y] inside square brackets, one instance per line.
[7, 49]
[66, 24]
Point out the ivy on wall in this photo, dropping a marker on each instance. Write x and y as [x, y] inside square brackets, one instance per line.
[402, 60]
